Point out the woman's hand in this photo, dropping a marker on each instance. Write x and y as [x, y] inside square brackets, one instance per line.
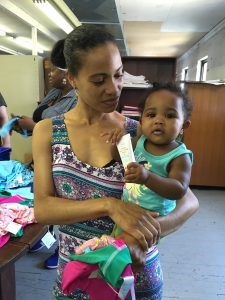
[113, 136]
[141, 224]
[138, 255]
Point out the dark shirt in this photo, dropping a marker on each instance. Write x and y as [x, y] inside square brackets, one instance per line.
[2, 101]
[37, 115]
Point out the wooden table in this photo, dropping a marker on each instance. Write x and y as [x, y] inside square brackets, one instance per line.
[11, 252]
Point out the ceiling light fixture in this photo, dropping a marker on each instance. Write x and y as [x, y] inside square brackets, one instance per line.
[20, 13]
[26, 43]
[62, 6]
[10, 51]
[54, 15]
[2, 33]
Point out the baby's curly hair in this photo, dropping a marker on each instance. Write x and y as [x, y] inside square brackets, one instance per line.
[174, 88]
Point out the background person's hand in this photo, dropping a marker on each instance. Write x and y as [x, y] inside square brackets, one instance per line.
[26, 123]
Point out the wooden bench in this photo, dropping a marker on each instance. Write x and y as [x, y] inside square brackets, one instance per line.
[11, 252]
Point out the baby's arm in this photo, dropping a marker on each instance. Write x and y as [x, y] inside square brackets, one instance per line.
[172, 187]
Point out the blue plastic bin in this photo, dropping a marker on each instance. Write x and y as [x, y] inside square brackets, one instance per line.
[5, 153]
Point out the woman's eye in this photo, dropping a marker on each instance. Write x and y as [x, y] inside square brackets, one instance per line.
[98, 82]
[119, 75]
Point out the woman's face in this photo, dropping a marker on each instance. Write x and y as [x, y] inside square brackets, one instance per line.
[56, 78]
[99, 82]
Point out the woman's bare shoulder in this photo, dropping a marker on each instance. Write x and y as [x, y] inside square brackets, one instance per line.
[43, 126]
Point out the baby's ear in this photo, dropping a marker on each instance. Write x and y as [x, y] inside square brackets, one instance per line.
[186, 124]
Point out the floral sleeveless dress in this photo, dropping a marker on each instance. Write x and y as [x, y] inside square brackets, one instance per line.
[76, 180]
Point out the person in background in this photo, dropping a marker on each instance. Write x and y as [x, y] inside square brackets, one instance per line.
[60, 99]
[4, 142]
[77, 184]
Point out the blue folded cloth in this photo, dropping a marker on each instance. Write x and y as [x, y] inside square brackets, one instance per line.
[8, 126]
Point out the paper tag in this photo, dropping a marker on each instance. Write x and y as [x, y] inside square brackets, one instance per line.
[13, 227]
[19, 178]
[125, 150]
[48, 240]
[128, 282]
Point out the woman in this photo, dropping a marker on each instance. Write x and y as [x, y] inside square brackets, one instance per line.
[4, 142]
[60, 99]
[76, 179]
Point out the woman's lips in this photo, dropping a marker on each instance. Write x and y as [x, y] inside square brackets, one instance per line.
[112, 101]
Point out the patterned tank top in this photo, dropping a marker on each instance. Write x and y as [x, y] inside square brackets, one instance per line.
[76, 180]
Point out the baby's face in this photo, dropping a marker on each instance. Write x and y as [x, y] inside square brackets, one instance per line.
[163, 117]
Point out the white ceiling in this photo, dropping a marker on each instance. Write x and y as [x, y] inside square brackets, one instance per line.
[167, 27]
[142, 28]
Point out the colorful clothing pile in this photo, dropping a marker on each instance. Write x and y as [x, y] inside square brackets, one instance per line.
[14, 210]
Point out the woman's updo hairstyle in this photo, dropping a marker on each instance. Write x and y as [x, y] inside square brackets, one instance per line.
[82, 39]
[57, 57]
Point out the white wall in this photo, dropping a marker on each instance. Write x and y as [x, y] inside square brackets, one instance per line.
[211, 45]
[22, 85]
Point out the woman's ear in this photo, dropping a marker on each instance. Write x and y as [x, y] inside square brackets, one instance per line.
[186, 124]
[71, 79]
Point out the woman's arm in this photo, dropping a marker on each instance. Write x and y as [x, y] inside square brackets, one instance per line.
[50, 209]
[185, 208]
[4, 119]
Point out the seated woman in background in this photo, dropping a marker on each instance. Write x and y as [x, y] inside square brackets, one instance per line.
[60, 99]
[4, 142]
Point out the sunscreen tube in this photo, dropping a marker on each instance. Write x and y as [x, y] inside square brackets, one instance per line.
[125, 150]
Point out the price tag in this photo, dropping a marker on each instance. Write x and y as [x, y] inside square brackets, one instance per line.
[48, 240]
[128, 283]
[13, 227]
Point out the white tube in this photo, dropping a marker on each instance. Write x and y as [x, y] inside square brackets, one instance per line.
[125, 150]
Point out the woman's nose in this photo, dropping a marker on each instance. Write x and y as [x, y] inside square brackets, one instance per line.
[112, 87]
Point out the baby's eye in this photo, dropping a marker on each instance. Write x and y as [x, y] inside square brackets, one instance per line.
[171, 116]
[151, 115]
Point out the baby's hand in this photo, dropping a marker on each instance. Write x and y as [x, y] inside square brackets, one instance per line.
[113, 136]
[136, 173]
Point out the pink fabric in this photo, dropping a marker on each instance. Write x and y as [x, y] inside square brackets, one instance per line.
[85, 275]
[4, 239]
[75, 276]
[15, 212]
[95, 243]
[13, 199]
